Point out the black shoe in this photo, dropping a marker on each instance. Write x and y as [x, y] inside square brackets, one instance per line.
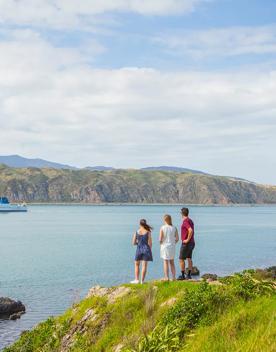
[189, 277]
[181, 278]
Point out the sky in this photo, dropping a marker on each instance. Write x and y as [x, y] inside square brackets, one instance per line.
[136, 83]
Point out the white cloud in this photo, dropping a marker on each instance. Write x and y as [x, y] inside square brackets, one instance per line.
[222, 42]
[53, 105]
[72, 13]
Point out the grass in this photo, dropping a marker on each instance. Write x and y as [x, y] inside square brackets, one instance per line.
[238, 315]
[249, 327]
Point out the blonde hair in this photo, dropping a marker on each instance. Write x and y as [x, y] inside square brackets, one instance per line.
[168, 219]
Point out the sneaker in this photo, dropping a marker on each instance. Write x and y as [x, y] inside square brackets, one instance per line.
[181, 278]
[189, 277]
[134, 282]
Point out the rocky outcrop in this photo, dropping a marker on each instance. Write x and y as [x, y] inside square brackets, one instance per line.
[129, 186]
[91, 317]
[10, 309]
[112, 294]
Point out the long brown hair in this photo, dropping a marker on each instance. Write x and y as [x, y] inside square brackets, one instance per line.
[145, 225]
[168, 219]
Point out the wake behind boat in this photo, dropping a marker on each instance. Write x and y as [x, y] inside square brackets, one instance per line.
[6, 207]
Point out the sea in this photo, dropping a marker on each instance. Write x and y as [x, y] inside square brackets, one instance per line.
[51, 255]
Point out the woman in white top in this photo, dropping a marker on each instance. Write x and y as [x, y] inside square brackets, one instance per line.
[168, 238]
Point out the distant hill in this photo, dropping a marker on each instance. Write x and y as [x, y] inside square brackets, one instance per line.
[173, 169]
[99, 168]
[128, 186]
[19, 161]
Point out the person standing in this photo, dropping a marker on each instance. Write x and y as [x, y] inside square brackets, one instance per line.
[188, 244]
[142, 238]
[168, 238]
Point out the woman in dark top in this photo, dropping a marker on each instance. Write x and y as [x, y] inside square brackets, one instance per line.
[143, 240]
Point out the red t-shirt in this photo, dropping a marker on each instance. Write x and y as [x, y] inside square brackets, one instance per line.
[186, 225]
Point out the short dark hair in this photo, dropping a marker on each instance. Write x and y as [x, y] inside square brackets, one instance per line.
[185, 211]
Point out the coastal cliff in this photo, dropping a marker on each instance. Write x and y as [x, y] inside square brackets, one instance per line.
[128, 186]
[235, 313]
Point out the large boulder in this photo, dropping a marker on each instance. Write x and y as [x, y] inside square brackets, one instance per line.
[10, 309]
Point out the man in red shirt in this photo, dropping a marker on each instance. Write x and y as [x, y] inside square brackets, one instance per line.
[188, 244]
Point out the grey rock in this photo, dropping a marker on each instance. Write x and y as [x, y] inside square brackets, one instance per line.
[209, 277]
[9, 309]
[195, 271]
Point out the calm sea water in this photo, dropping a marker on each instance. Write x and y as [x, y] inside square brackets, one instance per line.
[52, 255]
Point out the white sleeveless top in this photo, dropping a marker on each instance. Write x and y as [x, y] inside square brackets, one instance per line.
[167, 248]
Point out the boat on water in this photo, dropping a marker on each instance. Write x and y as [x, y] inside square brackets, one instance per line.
[7, 207]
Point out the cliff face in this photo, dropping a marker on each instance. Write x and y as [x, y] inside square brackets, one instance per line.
[128, 186]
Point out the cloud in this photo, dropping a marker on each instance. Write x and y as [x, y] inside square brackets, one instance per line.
[54, 105]
[84, 14]
[221, 42]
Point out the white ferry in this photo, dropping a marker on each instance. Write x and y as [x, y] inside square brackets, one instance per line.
[6, 207]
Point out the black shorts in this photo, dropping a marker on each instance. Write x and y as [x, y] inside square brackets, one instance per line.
[186, 251]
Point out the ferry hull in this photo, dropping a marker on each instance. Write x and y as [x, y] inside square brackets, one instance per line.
[13, 210]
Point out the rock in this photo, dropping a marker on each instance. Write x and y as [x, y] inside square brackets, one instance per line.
[10, 309]
[209, 277]
[169, 302]
[118, 348]
[195, 271]
[98, 291]
[16, 316]
[215, 283]
[111, 293]
[82, 327]
[119, 292]
[271, 271]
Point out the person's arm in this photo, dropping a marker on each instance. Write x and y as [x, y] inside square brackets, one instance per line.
[176, 236]
[150, 240]
[161, 236]
[134, 240]
[190, 234]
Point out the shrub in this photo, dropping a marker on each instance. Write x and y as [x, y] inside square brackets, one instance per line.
[201, 307]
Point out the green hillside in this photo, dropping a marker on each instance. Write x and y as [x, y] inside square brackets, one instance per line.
[237, 313]
[128, 186]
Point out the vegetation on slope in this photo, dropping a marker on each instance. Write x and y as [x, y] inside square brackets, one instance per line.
[128, 186]
[236, 314]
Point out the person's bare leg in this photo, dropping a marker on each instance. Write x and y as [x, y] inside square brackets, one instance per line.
[137, 270]
[172, 268]
[182, 264]
[144, 270]
[166, 269]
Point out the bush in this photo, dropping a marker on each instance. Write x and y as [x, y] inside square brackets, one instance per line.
[246, 287]
[201, 307]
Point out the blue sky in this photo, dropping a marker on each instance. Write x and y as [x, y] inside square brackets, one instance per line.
[133, 83]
